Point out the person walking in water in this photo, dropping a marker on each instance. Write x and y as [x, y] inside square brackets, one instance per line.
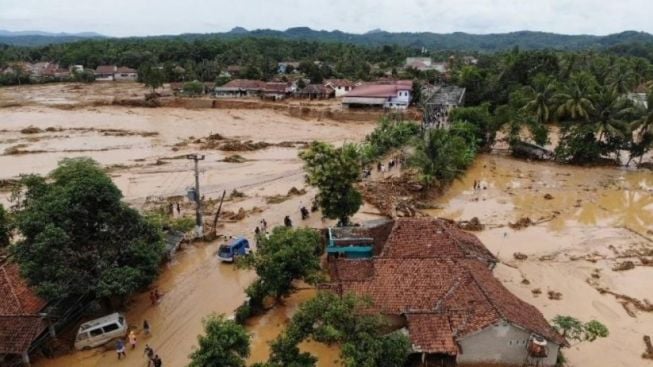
[149, 353]
[146, 327]
[120, 349]
[157, 361]
[287, 222]
[132, 339]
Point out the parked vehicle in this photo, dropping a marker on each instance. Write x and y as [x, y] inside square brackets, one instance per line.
[238, 246]
[101, 331]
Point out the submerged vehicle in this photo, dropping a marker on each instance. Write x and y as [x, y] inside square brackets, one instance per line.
[237, 246]
[101, 331]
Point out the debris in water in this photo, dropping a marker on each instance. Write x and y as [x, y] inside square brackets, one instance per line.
[648, 353]
[523, 222]
[520, 256]
[548, 197]
[473, 224]
[235, 158]
[31, 130]
[626, 265]
[556, 296]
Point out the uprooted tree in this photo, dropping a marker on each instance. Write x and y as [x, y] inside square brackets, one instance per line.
[79, 238]
[572, 328]
[334, 171]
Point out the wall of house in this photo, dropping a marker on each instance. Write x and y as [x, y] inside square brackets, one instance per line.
[125, 76]
[341, 91]
[104, 77]
[502, 344]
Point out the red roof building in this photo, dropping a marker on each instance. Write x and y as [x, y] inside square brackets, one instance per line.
[20, 322]
[436, 282]
[393, 94]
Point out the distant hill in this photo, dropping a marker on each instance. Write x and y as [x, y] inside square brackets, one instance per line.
[39, 38]
[434, 41]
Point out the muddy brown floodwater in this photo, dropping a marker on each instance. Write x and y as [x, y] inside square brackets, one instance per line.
[591, 219]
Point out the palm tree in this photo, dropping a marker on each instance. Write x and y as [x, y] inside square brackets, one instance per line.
[644, 128]
[621, 78]
[574, 101]
[608, 113]
[541, 99]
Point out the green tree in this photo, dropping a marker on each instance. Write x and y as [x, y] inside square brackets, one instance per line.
[643, 128]
[440, 157]
[78, 237]
[152, 76]
[225, 344]
[575, 99]
[573, 329]
[6, 227]
[541, 99]
[334, 171]
[330, 319]
[485, 125]
[284, 255]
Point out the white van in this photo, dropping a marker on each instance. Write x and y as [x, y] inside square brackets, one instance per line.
[100, 331]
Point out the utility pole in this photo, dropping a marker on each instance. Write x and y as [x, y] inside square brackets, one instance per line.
[199, 224]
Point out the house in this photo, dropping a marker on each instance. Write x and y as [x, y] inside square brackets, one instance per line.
[418, 63]
[434, 282]
[240, 88]
[104, 73]
[316, 91]
[394, 94]
[234, 70]
[21, 316]
[340, 86]
[277, 90]
[124, 73]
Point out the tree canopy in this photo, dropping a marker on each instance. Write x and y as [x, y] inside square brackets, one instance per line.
[225, 344]
[5, 227]
[78, 237]
[334, 171]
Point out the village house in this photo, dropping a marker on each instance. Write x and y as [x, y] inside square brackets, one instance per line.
[395, 95]
[277, 90]
[418, 63]
[434, 282]
[104, 73]
[238, 88]
[316, 91]
[21, 317]
[124, 73]
[340, 86]
[234, 70]
[286, 67]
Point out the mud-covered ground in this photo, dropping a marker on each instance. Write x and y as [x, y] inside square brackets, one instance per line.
[589, 221]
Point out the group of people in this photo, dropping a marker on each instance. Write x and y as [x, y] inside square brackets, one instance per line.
[438, 117]
[153, 359]
[174, 208]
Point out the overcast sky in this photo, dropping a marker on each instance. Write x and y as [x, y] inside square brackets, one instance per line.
[150, 17]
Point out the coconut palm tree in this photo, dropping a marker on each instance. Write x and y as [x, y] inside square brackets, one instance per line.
[541, 99]
[644, 128]
[574, 100]
[607, 117]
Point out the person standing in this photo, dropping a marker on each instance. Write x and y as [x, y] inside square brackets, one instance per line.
[157, 361]
[146, 327]
[120, 349]
[149, 353]
[132, 339]
[287, 222]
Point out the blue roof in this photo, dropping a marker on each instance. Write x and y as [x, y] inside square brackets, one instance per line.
[349, 249]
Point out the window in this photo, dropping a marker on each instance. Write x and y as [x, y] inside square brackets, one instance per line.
[82, 336]
[110, 327]
[96, 332]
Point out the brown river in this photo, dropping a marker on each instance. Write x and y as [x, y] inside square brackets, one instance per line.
[591, 219]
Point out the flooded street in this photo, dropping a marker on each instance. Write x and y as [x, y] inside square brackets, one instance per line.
[587, 220]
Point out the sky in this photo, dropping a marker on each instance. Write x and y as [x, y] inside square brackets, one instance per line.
[152, 17]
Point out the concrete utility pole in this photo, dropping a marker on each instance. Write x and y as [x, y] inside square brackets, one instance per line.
[199, 224]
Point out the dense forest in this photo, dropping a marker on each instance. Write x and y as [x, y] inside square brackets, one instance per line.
[457, 41]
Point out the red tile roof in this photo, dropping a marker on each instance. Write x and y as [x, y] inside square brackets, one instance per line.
[20, 323]
[422, 238]
[465, 291]
[339, 82]
[245, 84]
[105, 69]
[124, 69]
[431, 333]
[17, 298]
[18, 332]
[276, 87]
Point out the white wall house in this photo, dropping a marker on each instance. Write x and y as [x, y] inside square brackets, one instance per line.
[125, 74]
